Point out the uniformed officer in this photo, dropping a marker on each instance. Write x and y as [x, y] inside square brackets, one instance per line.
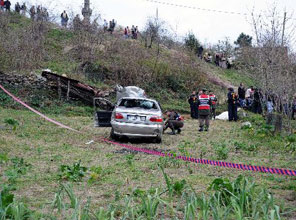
[214, 104]
[193, 105]
[204, 110]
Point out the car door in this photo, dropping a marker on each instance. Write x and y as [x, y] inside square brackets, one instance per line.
[103, 118]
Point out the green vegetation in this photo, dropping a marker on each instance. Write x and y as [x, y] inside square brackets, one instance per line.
[39, 171]
[74, 173]
[236, 78]
[48, 172]
[103, 61]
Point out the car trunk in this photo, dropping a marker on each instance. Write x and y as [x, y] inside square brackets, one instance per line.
[137, 115]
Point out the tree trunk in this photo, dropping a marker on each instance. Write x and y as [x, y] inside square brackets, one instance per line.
[278, 123]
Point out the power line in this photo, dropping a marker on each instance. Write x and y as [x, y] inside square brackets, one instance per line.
[197, 8]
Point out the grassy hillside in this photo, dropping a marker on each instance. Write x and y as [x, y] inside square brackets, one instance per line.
[168, 73]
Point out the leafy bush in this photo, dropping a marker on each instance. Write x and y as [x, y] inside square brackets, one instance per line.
[5, 99]
[73, 173]
[20, 166]
[130, 159]
[245, 146]
[169, 161]
[6, 199]
[221, 151]
[96, 173]
[3, 158]
[12, 122]
[265, 131]
[175, 188]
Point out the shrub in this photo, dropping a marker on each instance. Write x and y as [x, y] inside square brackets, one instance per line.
[20, 166]
[221, 151]
[96, 173]
[73, 173]
[11, 121]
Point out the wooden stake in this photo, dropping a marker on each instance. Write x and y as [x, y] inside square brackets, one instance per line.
[59, 88]
[68, 91]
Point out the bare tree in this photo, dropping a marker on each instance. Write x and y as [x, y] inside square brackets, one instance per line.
[225, 47]
[269, 60]
[153, 31]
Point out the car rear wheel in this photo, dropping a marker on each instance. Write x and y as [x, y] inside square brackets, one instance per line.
[113, 135]
[158, 139]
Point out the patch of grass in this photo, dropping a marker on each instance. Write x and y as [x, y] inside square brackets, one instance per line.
[58, 34]
[237, 77]
[60, 66]
[47, 147]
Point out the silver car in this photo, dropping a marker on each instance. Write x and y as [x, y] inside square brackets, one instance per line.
[133, 117]
[137, 117]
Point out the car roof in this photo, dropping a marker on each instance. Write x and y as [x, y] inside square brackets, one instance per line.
[139, 98]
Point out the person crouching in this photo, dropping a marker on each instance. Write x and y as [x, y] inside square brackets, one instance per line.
[174, 121]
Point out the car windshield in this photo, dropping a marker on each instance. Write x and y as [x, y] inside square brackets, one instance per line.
[138, 103]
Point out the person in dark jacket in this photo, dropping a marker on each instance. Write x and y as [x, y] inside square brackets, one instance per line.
[242, 95]
[200, 51]
[24, 8]
[256, 106]
[17, 8]
[232, 104]
[174, 121]
[193, 105]
[7, 5]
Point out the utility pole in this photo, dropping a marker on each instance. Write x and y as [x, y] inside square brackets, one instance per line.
[284, 26]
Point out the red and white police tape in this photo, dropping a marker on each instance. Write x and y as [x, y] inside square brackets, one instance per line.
[286, 172]
[35, 111]
[261, 169]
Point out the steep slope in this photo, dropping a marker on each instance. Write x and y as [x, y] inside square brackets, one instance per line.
[103, 60]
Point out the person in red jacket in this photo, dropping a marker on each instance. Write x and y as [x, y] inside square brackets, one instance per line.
[204, 110]
[1, 5]
[214, 104]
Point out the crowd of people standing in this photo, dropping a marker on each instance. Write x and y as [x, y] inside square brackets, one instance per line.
[255, 100]
[131, 33]
[203, 107]
[5, 5]
[203, 104]
[38, 13]
[110, 27]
